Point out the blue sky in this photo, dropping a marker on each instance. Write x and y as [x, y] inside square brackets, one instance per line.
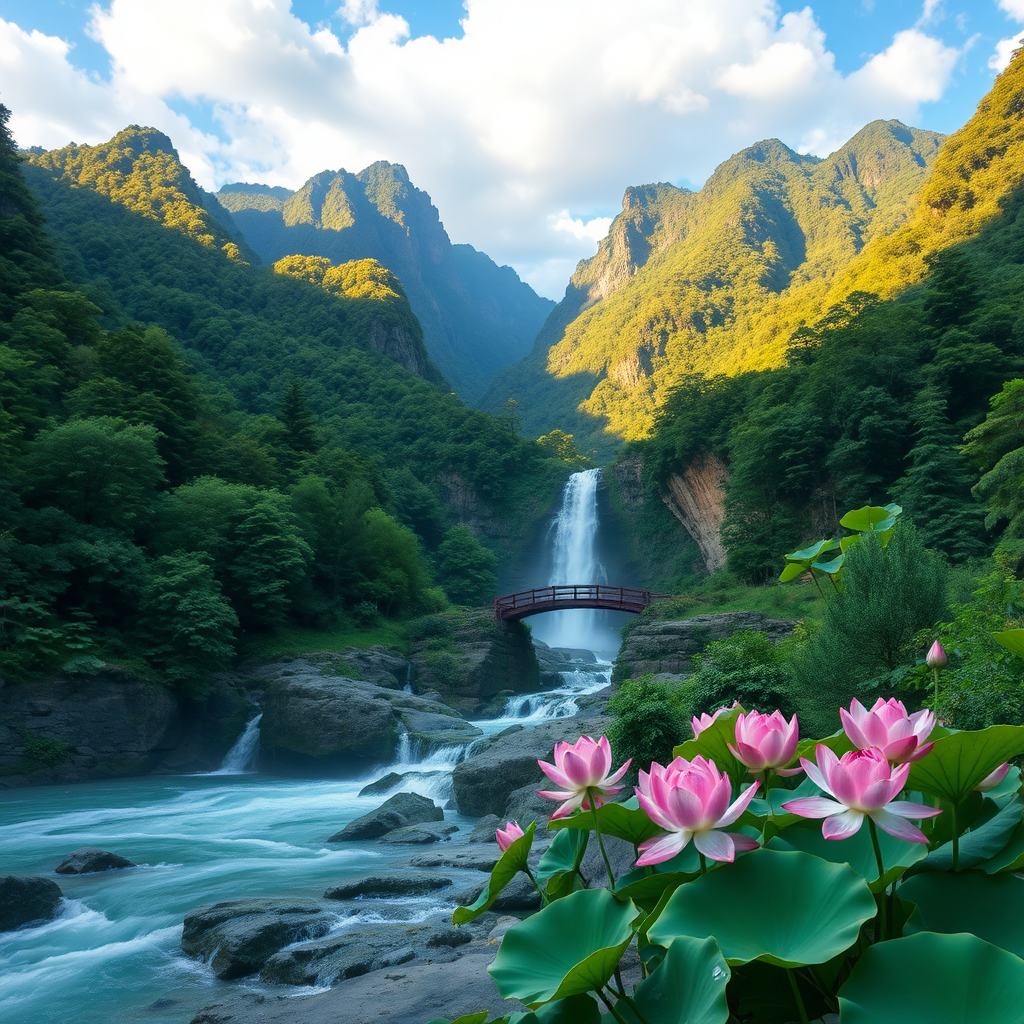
[524, 119]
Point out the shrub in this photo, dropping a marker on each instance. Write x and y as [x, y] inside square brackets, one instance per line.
[649, 720]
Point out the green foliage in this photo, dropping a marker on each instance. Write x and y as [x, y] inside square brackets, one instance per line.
[186, 621]
[466, 569]
[746, 667]
[869, 627]
[560, 445]
[648, 720]
[44, 751]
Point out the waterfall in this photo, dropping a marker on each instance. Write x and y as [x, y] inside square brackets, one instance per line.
[574, 560]
[241, 758]
[408, 679]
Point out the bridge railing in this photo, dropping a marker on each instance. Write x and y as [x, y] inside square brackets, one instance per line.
[622, 598]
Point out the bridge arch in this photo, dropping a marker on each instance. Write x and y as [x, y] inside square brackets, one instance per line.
[513, 607]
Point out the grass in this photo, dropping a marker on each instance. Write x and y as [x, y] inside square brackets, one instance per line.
[298, 640]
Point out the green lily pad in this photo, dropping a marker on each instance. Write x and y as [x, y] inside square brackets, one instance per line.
[557, 869]
[956, 764]
[687, 987]
[647, 891]
[979, 845]
[1010, 857]
[857, 851]
[568, 948]
[511, 862]
[1012, 640]
[934, 979]
[871, 518]
[713, 744]
[631, 824]
[785, 908]
[989, 906]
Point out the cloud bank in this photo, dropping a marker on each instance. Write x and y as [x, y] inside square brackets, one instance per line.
[524, 130]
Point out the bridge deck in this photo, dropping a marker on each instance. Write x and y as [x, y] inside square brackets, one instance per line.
[591, 595]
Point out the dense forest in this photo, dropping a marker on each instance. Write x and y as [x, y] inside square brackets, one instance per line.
[196, 449]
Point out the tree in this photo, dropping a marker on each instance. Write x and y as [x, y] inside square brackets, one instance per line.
[466, 569]
[186, 620]
[298, 419]
[100, 469]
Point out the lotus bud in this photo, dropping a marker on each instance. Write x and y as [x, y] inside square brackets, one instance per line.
[993, 778]
[936, 658]
[508, 835]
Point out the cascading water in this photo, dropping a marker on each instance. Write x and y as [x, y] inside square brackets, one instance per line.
[575, 560]
[241, 758]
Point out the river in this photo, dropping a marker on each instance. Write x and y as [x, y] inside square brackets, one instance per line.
[113, 954]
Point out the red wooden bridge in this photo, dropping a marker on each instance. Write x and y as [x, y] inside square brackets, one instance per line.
[590, 595]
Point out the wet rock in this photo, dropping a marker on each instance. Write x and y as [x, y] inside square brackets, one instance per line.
[27, 898]
[429, 832]
[519, 894]
[239, 936]
[484, 829]
[621, 854]
[328, 961]
[486, 779]
[383, 785]
[432, 731]
[398, 884]
[451, 937]
[524, 806]
[502, 925]
[88, 859]
[481, 859]
[397, 812]
[377, 665]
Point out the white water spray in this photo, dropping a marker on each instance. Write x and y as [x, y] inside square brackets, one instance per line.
[241, 758]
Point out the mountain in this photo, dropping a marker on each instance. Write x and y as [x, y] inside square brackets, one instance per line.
[917, 339]
[713, 281]
[477, 317]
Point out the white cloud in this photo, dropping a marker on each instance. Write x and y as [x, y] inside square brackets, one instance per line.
[538, 112]
[1003, 52]
[1014, 8]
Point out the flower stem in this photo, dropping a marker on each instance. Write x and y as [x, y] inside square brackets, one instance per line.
[935, 675]
[703, 864]
[611, 1006]
[956, 839]
[540, 892]
[767, 783]
[796, 995]
[600, 842]
[883, 924]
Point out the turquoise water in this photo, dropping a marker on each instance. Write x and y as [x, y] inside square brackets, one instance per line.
[113, 954]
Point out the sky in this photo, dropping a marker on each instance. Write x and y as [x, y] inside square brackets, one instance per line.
[525, 120]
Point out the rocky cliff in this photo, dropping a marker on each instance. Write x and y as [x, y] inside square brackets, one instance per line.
[696, 497]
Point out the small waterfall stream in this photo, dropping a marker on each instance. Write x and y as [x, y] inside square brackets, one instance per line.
[241, 758]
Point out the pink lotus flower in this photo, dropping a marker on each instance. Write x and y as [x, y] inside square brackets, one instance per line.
[508, 835]
[690, 800]
[936, 657]
[581, 769]
[993, 778]
[766, 741]
[900, 737]
[863, 784]
[700, 724]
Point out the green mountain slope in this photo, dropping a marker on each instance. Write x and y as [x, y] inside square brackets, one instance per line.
[477, 317]
[713, 281]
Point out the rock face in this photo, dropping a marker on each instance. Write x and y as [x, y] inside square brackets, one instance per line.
[485, 780]
[240, 936]
[65, 730]
[469, 658]
[399, 811]
[696, 498]
[318, 723]
[419, 835]
[399, 883]
[328, 961]
[669, 645]
[27, 898]
[88, 859]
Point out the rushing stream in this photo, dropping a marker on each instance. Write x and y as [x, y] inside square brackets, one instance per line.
[113, 954]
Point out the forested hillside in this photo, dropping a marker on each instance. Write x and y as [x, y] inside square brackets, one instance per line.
[193, 448]
[477, 317]
[878, 396]
[711, 282]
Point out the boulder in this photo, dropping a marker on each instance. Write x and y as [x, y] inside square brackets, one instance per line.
[407, 883]
[668, 645]
[378, 665]
[239, 936]
[484, 782]
[430, 731]
[484, 829]
[27, 898]
[482, 858]
[382, 785]
[428, 832]
[358, 951]
[519, 894]
[524, 806]
[397, 812]
[88, 859]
